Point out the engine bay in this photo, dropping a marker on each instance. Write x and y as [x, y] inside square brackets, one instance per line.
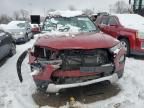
[72, 59]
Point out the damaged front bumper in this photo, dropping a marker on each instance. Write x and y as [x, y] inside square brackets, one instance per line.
[50, 78]
[53, 88]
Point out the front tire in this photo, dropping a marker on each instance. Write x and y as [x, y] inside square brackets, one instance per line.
[126, 45]
[26, 38]
[12, 50]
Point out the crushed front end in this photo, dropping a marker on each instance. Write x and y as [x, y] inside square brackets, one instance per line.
[53, 69]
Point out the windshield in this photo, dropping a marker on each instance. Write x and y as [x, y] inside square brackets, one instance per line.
[71, 24]
[21, 25]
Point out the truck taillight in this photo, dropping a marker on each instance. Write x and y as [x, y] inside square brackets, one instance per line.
[140, 35]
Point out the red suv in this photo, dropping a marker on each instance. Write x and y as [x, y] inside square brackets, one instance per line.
[128, 28]
[73, 53]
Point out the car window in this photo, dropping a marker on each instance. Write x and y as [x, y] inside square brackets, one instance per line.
[105, 20]
[112, 21]
[21, 25]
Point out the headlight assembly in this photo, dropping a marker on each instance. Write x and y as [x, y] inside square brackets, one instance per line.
[116, 48]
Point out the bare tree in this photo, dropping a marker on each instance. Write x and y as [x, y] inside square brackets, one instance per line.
[120, 7]
[24, 14]
[88, 11]
[4, 19]
[72, 8]
[16, 15]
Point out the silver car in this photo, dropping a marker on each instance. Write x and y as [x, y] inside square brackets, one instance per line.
[20, 30]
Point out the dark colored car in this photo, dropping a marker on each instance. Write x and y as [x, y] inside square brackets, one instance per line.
[128, 28]
[78, 55]
[7, 45]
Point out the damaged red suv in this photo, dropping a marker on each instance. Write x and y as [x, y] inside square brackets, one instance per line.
[72, 52]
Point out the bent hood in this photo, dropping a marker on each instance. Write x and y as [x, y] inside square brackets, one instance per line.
[78, 41]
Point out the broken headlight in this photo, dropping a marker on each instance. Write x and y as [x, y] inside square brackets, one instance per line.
[116, 48]
[36, 68]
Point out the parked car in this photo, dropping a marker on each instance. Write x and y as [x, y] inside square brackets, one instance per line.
[7, 45]
[20, 30]
[94, 16]
[35, 28]
[128, 28]
[78, 55]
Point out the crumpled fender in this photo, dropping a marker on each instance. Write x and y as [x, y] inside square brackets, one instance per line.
[45, 73]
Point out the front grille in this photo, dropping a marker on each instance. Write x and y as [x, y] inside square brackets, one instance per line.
[84, 58]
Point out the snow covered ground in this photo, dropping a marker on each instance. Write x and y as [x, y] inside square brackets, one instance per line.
[13, 94]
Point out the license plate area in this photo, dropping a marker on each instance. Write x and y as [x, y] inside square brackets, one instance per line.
[88, 69]
[98, 69]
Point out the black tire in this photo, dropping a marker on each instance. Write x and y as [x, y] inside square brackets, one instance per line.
[32, 36]
[126, 45]
[12, 50]
[26, 38]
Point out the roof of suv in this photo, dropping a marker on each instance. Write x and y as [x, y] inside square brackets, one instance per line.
[66, 13]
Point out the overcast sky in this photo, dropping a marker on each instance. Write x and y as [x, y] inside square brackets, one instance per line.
[40, 6]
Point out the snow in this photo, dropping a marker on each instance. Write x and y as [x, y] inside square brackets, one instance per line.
[68, 27]
[132, 88]
[1, 34]
[13, 94]
[66, 13]
[13, 25]
[133, 21]
[58, 34]
[2, 26]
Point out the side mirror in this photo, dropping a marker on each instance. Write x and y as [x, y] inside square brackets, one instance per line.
[35, 19]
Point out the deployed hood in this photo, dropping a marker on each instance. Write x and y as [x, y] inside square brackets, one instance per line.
[77, 41]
